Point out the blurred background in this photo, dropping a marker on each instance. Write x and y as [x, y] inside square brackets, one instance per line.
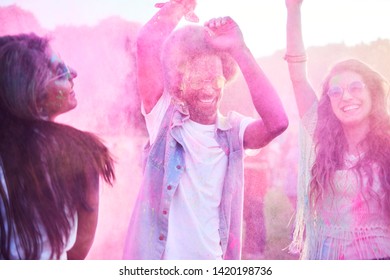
[97, 39]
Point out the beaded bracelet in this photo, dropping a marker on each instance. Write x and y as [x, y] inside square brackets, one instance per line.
[295, 58]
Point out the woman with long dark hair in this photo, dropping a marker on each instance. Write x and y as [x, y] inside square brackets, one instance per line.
[49, 172]
[344, 184]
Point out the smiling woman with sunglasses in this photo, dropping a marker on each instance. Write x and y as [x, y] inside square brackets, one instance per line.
[49, 172]
[344, 185]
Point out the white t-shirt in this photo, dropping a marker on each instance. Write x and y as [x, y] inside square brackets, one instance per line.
[194, 213]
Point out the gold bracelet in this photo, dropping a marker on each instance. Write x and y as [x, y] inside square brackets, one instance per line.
[295, 58]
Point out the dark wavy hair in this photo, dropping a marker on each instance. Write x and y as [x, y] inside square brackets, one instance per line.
[45, 164]
[183, 46]
[330, 141]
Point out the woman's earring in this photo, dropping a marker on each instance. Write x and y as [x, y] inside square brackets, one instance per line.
[43, 113]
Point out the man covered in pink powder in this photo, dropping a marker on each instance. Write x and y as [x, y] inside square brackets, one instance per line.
[190, 204]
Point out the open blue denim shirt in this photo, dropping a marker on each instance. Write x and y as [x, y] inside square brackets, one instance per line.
[163, 166]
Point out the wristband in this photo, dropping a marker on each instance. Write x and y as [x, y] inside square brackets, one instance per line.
[295, 58]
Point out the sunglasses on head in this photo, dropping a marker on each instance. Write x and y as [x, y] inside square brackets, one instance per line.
[355, 88]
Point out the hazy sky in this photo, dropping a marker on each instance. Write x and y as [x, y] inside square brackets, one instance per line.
[262, 21]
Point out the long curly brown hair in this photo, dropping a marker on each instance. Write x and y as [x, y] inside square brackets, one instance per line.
[330, 141]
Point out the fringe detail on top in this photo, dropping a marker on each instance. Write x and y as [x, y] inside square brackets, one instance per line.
[306, 132]
[335, 243]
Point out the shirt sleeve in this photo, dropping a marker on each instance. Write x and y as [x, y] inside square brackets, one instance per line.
[154, 118]
[243, 125]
